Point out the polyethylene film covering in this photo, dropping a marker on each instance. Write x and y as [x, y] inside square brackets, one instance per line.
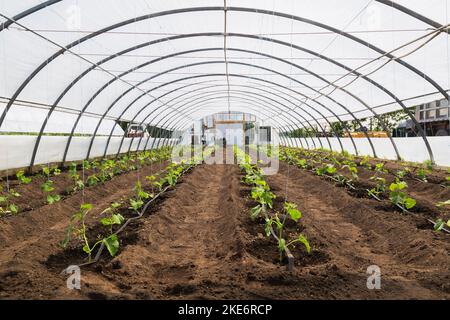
[75, 68]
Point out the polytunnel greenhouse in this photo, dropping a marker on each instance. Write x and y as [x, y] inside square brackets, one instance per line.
[229, 150]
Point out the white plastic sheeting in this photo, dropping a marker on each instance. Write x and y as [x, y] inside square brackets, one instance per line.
[15, 149]
[411, 149]
[156, 62]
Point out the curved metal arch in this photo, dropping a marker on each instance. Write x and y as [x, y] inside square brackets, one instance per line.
[199, 107]
[247, 51]
[201, 9]
[239, 9]
[208, 101]
[243, 93]
[258, 102]
[283, 75]
[157, 60]
[168, 121]
[267, 39]
[412, 13]
[107, 144]
[201, 97]
[271, 93]
[25, 13]
[388, 3]
[208, 75]
[130, 89]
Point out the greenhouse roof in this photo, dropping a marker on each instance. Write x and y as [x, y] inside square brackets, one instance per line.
[76, 66]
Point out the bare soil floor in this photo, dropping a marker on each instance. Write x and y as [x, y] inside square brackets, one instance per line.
[198, 242]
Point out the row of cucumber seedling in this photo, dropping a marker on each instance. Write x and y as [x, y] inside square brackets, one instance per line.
[101, 171]
[274, 221]
[113, 222]
[397, 190]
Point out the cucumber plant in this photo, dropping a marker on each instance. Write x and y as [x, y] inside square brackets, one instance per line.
[6, 205]
[137, 201]
[379, 188]
[22, 178]
[77, 229]
[293, 213]
[113, 218]
[399, 197]
[440, 224]
[78, 184]
[48, 188]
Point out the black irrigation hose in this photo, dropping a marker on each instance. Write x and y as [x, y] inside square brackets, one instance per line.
[141, 213]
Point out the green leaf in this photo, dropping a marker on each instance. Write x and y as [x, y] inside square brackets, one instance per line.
[86, 207]
[86, 249]
[331, 169]
[439, 225]
[136, 204]
[255, 212]
[302, 239]
[292, 210]
[48, 186]
[114, 219]
[13, 208]
[409, 203]
[3, 199]
[46, 171]
[52, 199]
[112, 244]
[117, 218]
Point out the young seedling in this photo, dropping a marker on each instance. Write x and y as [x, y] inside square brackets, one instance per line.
[293, 213]
[379, 188]
[440, 224]
[327, 169]
[22, 178]
[379, 168]
[365, 163]
[92, 180]
[428, 165]
[46, 172]
[56, 171]
[301, 163]
[47, 188]
[399, 197]
[114, 218]
[86, 165]
[137, 201]
[402, 173]
[6, 206]
[77, 228]
[351, 167]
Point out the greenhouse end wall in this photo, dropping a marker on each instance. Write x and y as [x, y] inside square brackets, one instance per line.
[15, 151]
[410, 149]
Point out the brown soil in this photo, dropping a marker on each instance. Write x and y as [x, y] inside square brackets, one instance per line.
[199, 243]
